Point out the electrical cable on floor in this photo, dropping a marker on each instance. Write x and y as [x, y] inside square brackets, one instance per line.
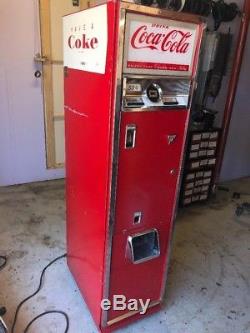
[46, 313]
[34, 294]
[4, 259]
[3, 328]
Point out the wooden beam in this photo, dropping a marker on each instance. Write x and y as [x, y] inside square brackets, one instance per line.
[44, 8]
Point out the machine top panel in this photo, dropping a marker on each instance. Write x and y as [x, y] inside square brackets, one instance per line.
[157, 46]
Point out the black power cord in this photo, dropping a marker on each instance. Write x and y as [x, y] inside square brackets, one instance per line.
[4, 262]
[46, 313]
[35, 293]
[3, 328]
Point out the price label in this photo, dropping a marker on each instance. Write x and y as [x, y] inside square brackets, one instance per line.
[134, 87]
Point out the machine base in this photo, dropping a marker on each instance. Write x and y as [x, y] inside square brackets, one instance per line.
[131, 319]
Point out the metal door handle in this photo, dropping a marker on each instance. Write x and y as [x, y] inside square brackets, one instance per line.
[130, 136]
[39, 58]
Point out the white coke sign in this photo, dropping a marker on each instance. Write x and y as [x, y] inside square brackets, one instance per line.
[174, 40]
[86, 39]
[157, 44]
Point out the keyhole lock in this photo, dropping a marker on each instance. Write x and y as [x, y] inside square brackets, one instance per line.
[173, 172]
[154, 92]
[38, 74]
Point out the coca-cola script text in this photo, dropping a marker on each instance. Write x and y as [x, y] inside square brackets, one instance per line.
[171, 41]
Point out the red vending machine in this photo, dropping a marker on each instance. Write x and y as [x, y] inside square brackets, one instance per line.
[129, 77]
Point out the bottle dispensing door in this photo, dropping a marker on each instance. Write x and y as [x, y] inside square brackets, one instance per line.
[153, 120]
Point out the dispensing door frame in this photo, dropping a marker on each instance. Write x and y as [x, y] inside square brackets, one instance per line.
[122, 9]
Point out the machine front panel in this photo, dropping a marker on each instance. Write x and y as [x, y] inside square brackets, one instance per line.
[149, 166]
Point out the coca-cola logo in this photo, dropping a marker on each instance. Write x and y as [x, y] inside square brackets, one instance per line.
[82, 42]
[173, 40]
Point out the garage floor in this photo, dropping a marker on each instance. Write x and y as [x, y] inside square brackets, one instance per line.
[209, 282]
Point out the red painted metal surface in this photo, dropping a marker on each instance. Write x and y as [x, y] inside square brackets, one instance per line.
[88, 121]
[147, 178]
[144, 180]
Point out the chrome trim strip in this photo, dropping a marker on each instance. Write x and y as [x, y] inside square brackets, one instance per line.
[130, 314]
[155, 109]
[115, 156]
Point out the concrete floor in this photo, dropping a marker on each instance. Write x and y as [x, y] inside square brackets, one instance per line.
[208, 288]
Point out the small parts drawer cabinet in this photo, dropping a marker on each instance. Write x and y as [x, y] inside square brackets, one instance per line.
[199, 166]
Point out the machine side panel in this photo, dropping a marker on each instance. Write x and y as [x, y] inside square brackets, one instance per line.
[88, 115]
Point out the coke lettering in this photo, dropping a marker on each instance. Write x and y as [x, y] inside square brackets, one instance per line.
[172, 41]
[83, 42]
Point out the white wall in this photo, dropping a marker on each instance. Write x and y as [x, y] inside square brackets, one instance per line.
[22, 140]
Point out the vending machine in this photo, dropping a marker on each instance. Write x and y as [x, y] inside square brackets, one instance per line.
[129, 78]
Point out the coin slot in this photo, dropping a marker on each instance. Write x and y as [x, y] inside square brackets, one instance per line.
[134, 102]
[154, 92]
[171, 103]
[137, 217]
